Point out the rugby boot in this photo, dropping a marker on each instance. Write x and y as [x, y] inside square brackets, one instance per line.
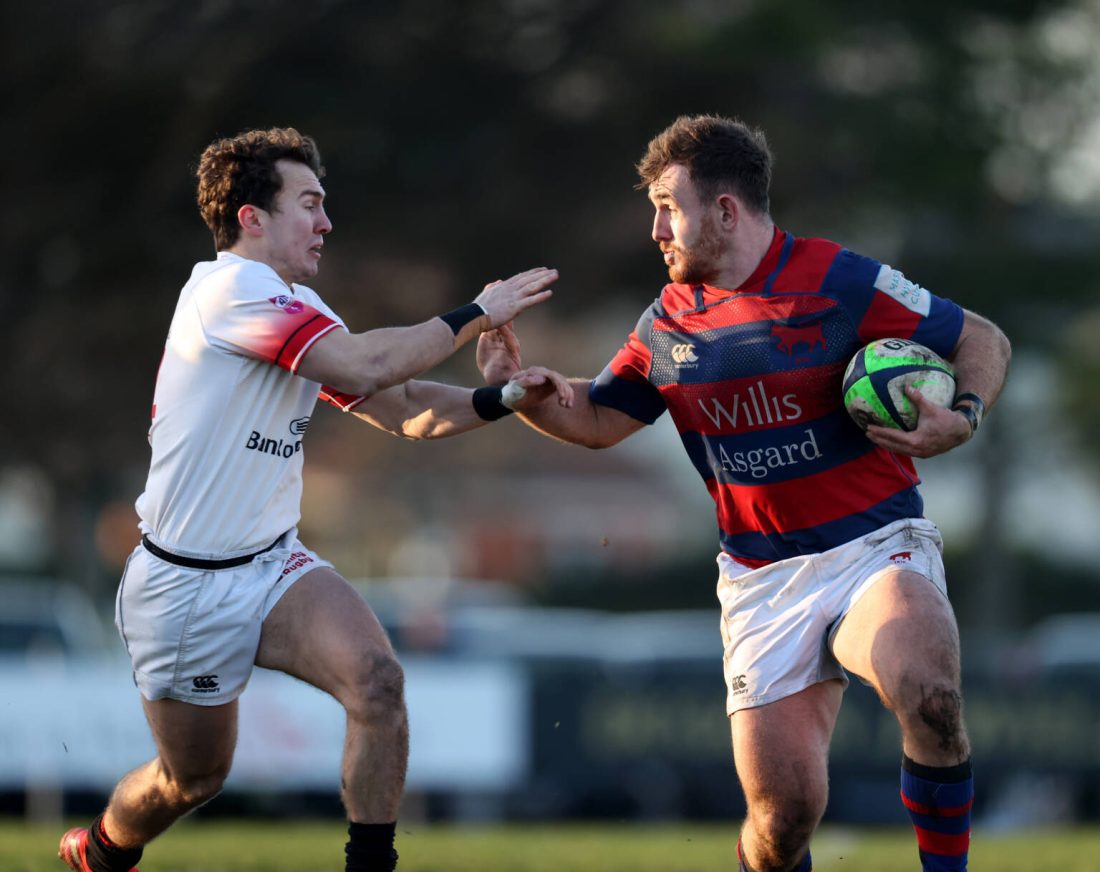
[74, 849]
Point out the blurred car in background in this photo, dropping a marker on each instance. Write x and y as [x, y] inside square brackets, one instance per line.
[46, 618]
[490, 619]
[1061, 648]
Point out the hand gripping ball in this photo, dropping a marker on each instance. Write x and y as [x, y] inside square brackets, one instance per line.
[876, 378]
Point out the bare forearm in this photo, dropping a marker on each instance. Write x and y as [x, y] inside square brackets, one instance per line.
[582, 423]
[421, 410]
[368, 363]
[365, 363]
[981, 359]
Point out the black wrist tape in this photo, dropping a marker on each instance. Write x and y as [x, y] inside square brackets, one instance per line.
[487, 403]
[970, 415]
[458, 318]
[972, 407]
[977, 402]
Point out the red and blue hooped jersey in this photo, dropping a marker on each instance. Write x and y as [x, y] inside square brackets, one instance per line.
[752, 379]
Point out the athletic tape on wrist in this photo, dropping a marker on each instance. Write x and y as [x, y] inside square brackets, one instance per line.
[971, 407]
[488, 403]
[466, 322]
[511, 394]
[970, 415]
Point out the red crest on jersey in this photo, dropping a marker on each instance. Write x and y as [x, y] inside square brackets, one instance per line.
[790, 337]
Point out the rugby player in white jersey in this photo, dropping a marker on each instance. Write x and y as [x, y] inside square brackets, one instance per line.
[220, 581]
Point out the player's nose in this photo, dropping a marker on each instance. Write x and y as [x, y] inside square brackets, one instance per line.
[661, 229]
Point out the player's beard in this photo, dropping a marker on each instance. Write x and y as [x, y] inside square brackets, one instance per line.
[700, 263]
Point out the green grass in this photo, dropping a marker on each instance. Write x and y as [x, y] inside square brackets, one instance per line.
[220, 846]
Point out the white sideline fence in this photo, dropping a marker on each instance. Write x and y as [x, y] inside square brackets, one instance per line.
[79, 725]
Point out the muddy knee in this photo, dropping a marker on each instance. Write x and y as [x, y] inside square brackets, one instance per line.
[940, 711]
[931, 713]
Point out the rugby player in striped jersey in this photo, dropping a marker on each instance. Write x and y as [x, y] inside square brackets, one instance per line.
[826, 563]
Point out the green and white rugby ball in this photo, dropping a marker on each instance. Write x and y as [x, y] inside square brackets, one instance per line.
[878, 374]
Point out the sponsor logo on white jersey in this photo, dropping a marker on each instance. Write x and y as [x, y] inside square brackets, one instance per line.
[275, 447]
[909, 294]
[287, 304]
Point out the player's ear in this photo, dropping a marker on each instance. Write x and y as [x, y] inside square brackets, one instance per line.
[250, 219]
[728, 210]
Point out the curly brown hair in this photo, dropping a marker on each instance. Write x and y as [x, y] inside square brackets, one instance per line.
[239, 171]
[721, 154]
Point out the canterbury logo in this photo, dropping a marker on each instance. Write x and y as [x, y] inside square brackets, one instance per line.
[205, 683]
[739, 684]
[684, 353]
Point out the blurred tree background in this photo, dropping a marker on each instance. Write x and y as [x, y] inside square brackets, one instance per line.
[465, 141]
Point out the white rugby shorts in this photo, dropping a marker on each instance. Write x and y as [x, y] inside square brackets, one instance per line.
[192, 634]
[779, 621]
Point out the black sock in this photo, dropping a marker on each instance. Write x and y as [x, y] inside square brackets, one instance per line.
[105, 855]
[370, 848]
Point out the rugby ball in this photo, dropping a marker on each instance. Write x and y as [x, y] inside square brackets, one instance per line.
[878, 374]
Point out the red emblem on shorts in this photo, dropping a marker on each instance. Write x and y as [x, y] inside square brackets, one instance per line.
[901, 557]
[287, 304]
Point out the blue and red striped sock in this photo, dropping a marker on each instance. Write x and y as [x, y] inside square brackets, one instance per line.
[807, 864]
[938, 800]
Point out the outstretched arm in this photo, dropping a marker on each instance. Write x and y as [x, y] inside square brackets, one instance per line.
[366, 363]
[429, 410]
[581, 422]
[980, 358]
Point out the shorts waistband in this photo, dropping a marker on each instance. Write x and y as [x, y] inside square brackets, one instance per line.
[200, 563]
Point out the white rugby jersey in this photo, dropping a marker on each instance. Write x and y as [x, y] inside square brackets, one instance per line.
[229, 413]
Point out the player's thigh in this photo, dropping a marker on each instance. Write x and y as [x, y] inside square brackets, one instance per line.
[901, 632]
[781, 749]
[193, 741]
[323, 632]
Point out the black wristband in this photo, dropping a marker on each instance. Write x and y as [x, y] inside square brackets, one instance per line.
[970, 415]
[974, 400]
[487, 403]
[971, 407]
[458, 318]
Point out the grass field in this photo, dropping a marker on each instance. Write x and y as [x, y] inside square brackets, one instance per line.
[219, 846]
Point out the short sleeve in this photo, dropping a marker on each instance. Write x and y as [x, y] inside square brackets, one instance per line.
[624, 383]
[257, 315]
[882, 303]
